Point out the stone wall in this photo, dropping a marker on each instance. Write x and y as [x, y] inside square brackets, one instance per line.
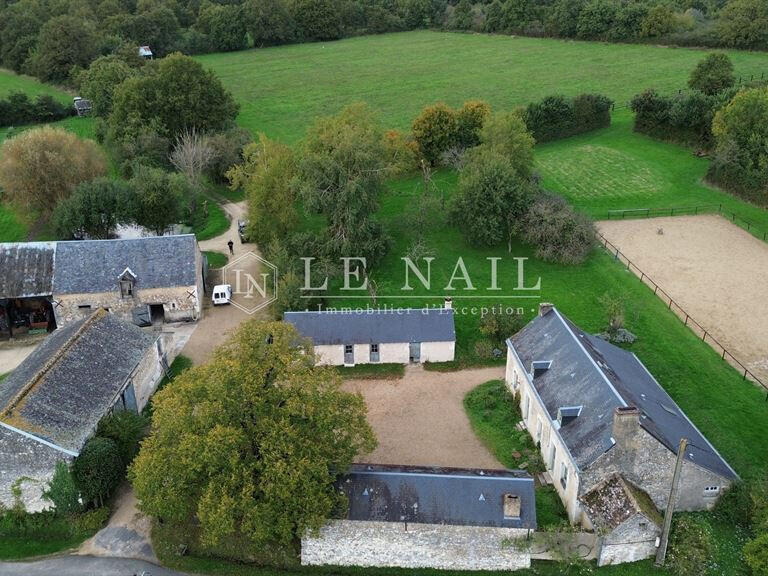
[633, 540]
[389, 353]
[388, 544]
[179, 304]
[150, 371]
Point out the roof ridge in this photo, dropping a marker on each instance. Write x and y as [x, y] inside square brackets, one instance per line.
[48, 366]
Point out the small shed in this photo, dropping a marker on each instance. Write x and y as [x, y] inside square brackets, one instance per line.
[378, 335]
[145, 52]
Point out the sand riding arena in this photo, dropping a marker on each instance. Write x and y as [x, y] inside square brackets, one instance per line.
[713, 270]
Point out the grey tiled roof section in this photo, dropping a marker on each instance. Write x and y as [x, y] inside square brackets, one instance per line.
[26, 269]
[375, 326]
[437, 495]
[79, 388]
[591, 372]
[92, 266]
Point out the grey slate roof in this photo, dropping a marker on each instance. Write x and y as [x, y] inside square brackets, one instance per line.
[92, 266]
[62, 390]
[437, 495]
[375, 326]
[590, 372]
[26, 269]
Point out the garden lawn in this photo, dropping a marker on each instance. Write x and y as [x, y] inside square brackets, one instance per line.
[617, 169]
[282, 90]
[216, 259]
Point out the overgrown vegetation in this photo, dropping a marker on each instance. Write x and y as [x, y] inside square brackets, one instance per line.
[494, 414]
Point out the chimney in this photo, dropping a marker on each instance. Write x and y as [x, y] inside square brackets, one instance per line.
[545, 308]
[448, 303]
[626, 425]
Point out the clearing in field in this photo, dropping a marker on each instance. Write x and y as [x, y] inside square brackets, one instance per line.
[713, 269]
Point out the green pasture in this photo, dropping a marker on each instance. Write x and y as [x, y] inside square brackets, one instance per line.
[11, 82]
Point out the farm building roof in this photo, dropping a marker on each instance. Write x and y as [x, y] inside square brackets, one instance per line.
[589, 372]
[375, 326]
[614, 501]
[27, 269]
[61, 391]
[438, 495]
[93, 266]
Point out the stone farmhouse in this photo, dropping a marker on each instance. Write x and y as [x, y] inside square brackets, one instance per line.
[368, 336]
[597, 413]
[143, 280]
[413, 517]
[52, 403]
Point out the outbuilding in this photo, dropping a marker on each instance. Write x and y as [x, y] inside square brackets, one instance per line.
[346, 337]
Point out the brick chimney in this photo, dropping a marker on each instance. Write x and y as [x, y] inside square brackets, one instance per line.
[545, 308]
[626, 426]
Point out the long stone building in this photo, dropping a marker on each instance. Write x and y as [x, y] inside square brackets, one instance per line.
[597, 413]
[368, 336]
[143, 280]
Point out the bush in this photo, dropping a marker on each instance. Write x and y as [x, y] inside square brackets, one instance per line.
[91, 521]
[756, 555]
[126, 429]
[559, 233]
[499, 327]
[713, 74]
[17, 109]
[62, 491]
[557, 117]
[483, 349]
[402, 154]
[691, 545]
[98, 469]
[227, 152]
[41, 167]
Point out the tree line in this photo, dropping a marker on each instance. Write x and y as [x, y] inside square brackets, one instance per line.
[56, 39]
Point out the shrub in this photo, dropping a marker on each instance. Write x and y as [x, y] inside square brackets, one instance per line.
[483, 349]
[91, 521]
[735, 506]
[62, 491]
[499, 327]
[691, 545]
[402, 153]
[756, 555]
[505, 133]
[713, 74]
[41, 167]
[559, 233]
[557, 117]
[126, 429]
[228, 149]
[98, 469]
[17, 109]
[435, 131]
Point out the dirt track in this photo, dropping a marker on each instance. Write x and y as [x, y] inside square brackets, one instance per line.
[712, 268]
[420, 419]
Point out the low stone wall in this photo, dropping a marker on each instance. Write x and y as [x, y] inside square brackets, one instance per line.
[389, 544]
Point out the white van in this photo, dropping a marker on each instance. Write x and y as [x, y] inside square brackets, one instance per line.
[222, 294]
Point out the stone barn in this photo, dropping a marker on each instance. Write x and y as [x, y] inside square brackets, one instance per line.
[143, 280]
[597, 412]
[347, 337]
[412, 517]
[52, 403]
[26, 288]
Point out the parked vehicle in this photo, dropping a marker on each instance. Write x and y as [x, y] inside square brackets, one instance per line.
[222, 294]
[242, 231]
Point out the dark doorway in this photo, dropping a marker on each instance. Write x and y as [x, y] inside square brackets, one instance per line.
[157, 313]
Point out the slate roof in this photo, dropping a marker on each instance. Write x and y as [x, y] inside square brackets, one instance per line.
[93, 266]
[590, 372]
[61, 391]
[375, 326]
[452, 496]
[26, 269]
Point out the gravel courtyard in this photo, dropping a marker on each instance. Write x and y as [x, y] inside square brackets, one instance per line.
[715, 270]
[420, 419]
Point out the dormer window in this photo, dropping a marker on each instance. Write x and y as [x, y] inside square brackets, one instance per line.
[127, 283]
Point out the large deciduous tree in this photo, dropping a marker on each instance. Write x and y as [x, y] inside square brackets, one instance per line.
[94, 209]
[435, 130]
[41, 167]
[744, 24]
[249, 445]
[99, 82]
[159, 196]
[171, 95]
[506, 133]
[64, 42]
[270, 22]
[266, 175]
[713, 74]
[340, 175]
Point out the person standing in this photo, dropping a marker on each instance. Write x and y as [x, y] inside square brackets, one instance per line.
[231, 247]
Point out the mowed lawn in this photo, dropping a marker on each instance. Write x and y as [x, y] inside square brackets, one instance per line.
[283, 89]
[11, 82]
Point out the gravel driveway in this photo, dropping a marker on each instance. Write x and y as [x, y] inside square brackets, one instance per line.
[420, 419]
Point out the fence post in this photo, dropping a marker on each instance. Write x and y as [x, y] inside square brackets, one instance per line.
[686, 319]
[704, 338]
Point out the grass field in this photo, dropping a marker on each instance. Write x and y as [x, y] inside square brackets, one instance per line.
[281, 90]
[11, 82]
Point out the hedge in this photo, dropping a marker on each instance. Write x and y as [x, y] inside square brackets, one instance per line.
[557, 117]
[17, 109]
